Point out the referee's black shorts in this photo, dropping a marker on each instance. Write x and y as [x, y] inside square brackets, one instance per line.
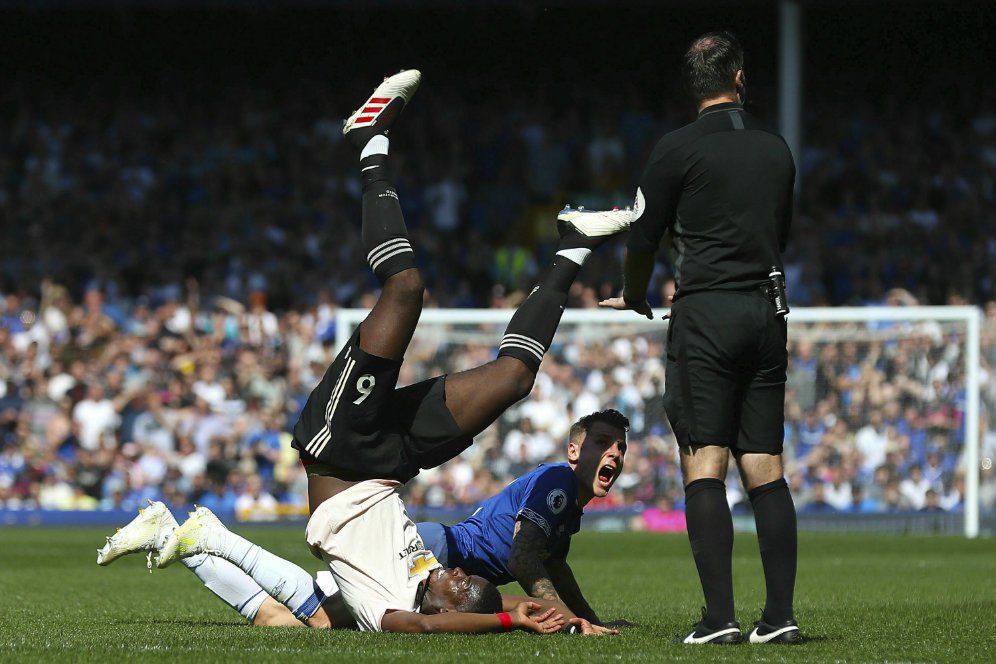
[726, 364]
[358, 425]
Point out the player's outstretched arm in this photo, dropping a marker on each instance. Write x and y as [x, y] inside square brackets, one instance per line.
[526, 561]
[509, 602]
[525, 616]
[567, 587]
[582, 626]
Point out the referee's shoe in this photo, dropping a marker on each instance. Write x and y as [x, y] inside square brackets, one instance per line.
[764, 632]
[702, 634]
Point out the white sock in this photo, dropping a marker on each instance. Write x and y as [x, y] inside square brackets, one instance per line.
[578, 255]
[379, 144]
[233, 586]
[281, 579]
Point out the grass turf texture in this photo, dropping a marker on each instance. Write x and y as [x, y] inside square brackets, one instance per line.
[859, 599]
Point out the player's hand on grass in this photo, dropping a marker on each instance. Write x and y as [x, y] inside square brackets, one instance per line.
[526, 616]
[587, 629]
[620, 304]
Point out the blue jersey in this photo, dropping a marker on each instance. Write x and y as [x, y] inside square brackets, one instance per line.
[547, 496]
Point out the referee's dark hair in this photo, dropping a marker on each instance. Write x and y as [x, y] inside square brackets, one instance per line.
[710, 65]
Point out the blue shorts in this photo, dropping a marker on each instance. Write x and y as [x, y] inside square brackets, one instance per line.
[434, 539]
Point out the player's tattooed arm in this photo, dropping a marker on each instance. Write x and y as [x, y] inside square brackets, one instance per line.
[567, 587]
[526, 560]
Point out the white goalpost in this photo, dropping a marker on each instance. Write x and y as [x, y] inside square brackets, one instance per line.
[954, 332]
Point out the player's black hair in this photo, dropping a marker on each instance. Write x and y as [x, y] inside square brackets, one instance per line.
[481, 597]
[710, 65]
[609, 416]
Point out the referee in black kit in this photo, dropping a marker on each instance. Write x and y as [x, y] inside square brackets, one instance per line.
[721, 187]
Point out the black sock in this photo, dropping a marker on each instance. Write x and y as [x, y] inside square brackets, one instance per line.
[564, 269]
[384, 234]
[774, 513]
[710, 532]
[531, 330]
[373, 168]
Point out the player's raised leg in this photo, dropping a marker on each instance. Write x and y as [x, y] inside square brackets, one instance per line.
[389, 327]
[477, 397]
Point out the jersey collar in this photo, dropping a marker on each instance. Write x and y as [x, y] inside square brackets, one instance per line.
[420, 594]
[722, 106]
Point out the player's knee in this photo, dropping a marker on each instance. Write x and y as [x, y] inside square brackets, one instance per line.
[521, 380]
[407, 284]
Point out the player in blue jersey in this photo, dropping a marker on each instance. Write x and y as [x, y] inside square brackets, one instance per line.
[524, 532]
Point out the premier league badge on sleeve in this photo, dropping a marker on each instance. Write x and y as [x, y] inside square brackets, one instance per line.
[556, 500]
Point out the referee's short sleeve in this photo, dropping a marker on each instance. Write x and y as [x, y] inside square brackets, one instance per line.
[644, 236]
[657, 197]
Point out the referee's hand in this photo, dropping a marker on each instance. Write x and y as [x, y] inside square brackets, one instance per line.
[620, 304]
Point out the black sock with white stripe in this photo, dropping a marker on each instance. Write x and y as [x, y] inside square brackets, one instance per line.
[385, 237]
[530, 332]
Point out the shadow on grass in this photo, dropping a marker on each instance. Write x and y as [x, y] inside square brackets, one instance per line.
[810, 638]
[189, 622]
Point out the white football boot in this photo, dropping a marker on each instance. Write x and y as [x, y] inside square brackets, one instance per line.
[193, 537]
[146, 532]
[593, 227]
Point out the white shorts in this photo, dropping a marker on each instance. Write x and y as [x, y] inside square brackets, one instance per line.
[373, 550]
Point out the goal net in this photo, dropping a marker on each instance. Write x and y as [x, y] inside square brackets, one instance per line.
[878, 410]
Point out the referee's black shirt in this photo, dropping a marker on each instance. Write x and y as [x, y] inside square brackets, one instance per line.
[722, 185]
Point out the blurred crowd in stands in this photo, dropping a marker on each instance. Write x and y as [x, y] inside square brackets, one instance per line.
[171, 266]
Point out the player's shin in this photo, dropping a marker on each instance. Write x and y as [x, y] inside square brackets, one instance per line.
[531, 330]
[229, 583]
[384, 234]
[281, 579]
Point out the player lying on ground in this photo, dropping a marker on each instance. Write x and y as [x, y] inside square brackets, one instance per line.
[264, 588]
[526, 527]
[360, 438]
[524, 532]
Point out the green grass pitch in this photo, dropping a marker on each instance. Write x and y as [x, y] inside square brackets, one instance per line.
[859, 598]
